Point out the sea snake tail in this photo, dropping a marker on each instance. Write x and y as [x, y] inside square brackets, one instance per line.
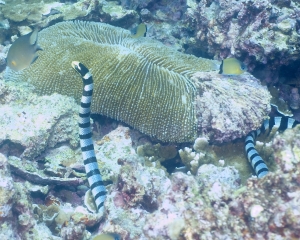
[85, 135]
[257, 163]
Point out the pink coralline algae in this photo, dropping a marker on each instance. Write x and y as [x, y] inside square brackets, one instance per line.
[206, 207]
[224, 109]
[162, 10]
[6, 189]
[145, 202]
[260, 32]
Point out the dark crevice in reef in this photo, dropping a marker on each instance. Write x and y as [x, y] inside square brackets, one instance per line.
[290, 74]
[9, 148]
[38, 197]
[149, 204]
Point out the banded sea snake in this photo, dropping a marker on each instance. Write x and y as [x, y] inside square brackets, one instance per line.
[87, 146]
[257, 163]
[85, 135]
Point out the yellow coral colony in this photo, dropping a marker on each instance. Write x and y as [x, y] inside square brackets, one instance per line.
[137, 80]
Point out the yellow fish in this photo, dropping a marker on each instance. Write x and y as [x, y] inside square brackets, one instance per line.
[22, 52]
[232, 66]
[140, 31]
[107, 236]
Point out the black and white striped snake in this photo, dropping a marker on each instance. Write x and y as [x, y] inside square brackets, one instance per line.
[257, 163]
[85, 135]
[87, 147]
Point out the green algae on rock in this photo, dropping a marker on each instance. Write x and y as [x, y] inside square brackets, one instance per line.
[42, 13]
[139, 81]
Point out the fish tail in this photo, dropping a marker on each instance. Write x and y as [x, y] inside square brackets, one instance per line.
[85, 135]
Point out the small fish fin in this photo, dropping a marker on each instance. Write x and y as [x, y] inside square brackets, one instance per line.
[38, 48]
[34, 59]
[33, 37]
[134, 30]
[221, 68]
[145, 30]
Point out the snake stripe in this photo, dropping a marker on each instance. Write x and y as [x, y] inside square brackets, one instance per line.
[85, 135]
[257, 163]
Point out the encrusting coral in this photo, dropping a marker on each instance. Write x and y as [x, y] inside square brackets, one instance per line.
[264, 32]
[42, 13]
[39, 129]
[144, 202]
[228, 107]
[7, 190]
[141, 82]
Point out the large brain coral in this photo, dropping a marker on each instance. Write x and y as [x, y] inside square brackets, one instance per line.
[139, 81]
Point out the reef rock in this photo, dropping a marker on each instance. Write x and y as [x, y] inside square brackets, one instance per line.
[47, 11]
[214, 198]
[33, 123]
[265, 32]
[145, 202]
[229, 107]
[7, 194]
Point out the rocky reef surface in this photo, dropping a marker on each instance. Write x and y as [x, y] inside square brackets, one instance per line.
[27, 125]
[44, 197]
[43, 190]
[263, 33]
[225, 104]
